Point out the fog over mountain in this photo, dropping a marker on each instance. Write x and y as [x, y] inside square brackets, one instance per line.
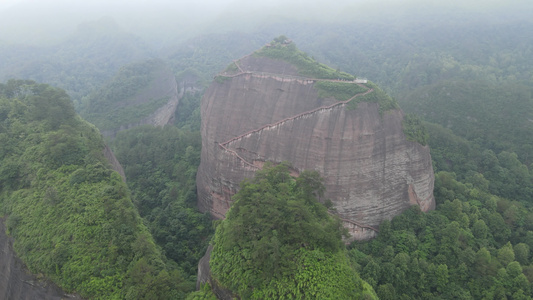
[411, 120]
[50, 21]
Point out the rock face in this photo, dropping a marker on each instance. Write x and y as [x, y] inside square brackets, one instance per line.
[255, 115]
[204, 276]
[115, 164]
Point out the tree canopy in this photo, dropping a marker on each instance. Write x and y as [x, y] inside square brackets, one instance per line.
[278, 242]
[70, 214]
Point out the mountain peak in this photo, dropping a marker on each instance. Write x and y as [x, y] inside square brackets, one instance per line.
[278, 104]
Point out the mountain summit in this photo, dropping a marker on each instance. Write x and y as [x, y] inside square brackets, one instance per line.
[278, 104]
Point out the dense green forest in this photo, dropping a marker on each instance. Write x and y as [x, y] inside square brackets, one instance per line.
[496, 117]
[279, 242]
[467, 77]
[475, 245]
[166, 198]
[72, 216]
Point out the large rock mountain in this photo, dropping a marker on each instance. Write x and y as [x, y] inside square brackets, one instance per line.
[280, 105]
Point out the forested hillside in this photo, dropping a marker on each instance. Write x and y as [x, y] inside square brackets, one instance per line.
[71, 216]
[133, 94]
[466, 72]
[498, 117]
[279, 242]
[83, 62]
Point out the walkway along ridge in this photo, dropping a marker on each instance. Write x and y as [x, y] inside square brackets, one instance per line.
[225, 144]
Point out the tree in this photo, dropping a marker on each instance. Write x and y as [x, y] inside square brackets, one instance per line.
[280, 240]
[521, 251]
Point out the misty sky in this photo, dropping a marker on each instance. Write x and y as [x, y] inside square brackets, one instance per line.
[35, 21]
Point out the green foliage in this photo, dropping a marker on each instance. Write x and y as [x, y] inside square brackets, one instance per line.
[221, 78]
[71, 216]
[232, 68]
[474, 246]
[116, 103]
[167, 198]
[496, 117]
[279, 240]
[283, 49]
[341, 91]
[385, 101]
[414, 129]
[502, 175]
[187, 115]
[79, 64]
[205, 293]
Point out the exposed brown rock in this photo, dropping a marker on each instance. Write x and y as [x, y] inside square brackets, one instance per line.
[115, 164]
[371, 171]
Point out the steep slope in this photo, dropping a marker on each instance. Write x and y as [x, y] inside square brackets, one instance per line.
[140, 93]
[279, 105]
[70, 215]
[279, 242]
[17, 283]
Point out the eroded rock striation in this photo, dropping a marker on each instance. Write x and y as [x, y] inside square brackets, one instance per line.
[263, 110]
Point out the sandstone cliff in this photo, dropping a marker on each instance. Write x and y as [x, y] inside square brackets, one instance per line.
[264, 111]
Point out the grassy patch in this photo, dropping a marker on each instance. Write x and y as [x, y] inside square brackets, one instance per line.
[341, 91]
[281, 48]
[385, 101]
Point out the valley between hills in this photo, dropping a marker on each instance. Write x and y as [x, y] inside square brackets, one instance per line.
[226, 161]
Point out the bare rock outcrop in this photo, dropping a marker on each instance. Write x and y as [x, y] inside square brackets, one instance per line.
[204, 276]
[115, 164]
[259, 114]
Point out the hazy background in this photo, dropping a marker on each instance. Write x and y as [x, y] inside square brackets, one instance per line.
[35, 22]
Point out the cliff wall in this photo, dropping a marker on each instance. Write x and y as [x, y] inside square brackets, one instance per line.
[371, 171]
[115, 164]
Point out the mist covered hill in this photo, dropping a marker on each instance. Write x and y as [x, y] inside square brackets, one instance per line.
[464, 67]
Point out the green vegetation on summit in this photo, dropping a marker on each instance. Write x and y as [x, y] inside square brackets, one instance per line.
[278, 239]
[341, 91]
[284, 49]
[70, 215]
[385, 101]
